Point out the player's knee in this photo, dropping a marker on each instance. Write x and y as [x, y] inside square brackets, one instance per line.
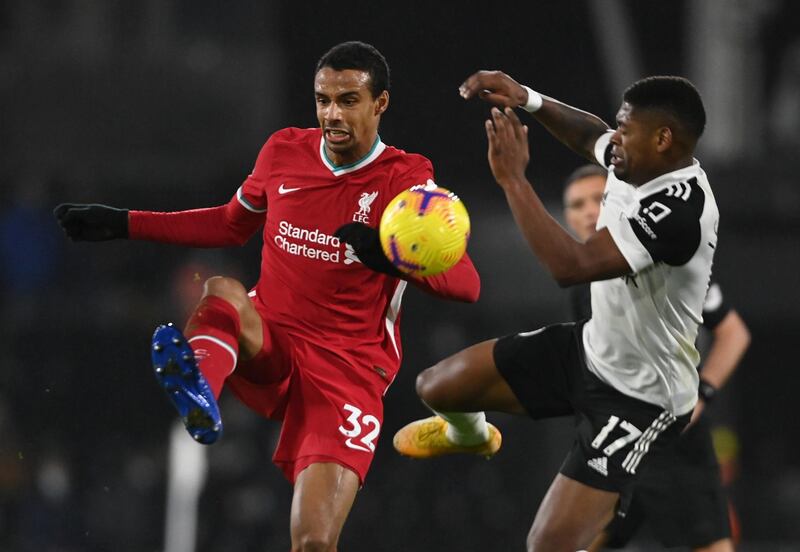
[542, 539]
[311, 542]
[431, 389]
[229, 289]
[722, 545]
[535, 543]
[423, 386]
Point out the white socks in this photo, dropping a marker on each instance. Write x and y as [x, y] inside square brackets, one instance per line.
[465, 428]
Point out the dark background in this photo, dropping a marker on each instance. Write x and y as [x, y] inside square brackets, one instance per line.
[164, 105]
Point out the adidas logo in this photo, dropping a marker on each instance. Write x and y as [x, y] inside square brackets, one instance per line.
[600, 465]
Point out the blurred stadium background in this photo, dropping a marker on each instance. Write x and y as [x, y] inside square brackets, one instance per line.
[164, 104]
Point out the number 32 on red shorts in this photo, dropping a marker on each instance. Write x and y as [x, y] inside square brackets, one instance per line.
[360, 430]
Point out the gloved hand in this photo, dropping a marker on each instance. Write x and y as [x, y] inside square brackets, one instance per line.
[92, 222]
[367, 245]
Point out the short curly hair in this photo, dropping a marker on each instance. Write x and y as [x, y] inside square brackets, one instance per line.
[675, 96]
[362, 57]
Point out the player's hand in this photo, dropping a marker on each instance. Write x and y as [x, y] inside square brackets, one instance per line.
[366, 243]
[696, 413]
[92, 222]
[494, 87]
[508, 146]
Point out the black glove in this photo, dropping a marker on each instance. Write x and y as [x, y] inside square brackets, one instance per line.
[367, 245]
[93, 222]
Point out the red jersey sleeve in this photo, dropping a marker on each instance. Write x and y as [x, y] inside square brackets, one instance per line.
[461, 282]
[221, 226]
[225, 225]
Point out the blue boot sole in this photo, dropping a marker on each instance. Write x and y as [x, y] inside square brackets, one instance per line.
[177, 372]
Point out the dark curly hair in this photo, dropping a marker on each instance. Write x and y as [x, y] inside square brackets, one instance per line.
[362, 57]
[675, 96]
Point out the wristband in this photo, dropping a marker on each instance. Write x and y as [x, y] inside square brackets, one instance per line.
[706, 391]
[534, 102]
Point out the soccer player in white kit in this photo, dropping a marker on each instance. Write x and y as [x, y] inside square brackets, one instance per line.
[628, 374]
[680, 496]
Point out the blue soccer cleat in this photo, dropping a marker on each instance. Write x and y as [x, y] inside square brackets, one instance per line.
[177, 372]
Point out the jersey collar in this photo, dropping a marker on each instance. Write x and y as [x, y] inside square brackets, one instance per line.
[338, 170]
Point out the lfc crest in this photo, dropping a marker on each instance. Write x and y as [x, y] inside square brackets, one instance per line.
[364, 207]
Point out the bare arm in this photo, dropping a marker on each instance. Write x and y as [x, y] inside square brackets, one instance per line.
[569, 261]
[731, 340]
[576, 129]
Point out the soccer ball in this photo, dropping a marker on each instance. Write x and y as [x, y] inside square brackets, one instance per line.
[424, 230]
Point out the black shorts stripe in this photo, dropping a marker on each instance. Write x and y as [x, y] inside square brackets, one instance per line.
[614, 432]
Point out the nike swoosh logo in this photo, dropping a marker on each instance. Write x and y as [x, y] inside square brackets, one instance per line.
[282, 189]
[352, 445]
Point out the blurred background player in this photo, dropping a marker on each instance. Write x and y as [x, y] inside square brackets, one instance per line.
[316, 342]
[628, 374]
[683, 499]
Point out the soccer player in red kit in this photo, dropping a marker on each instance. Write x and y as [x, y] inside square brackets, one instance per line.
[316, 342]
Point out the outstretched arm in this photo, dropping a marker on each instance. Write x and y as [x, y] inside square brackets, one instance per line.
[569, 261]
[230, 224]
[222, 226]
[576, 129]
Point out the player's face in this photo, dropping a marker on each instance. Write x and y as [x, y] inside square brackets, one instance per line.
[347, 113]
[634, 151]
[582, 200]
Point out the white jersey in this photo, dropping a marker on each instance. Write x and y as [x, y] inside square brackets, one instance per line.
[641, 337]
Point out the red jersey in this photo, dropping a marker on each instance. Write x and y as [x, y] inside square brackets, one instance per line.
[311, 283]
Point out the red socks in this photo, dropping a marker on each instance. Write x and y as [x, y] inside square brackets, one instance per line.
[213, 333]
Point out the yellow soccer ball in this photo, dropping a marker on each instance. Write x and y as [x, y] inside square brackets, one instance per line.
[424, 230]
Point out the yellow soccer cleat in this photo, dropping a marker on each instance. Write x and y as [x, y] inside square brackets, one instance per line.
[426, 439]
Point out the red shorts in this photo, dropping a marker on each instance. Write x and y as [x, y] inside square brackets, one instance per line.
[331, 403]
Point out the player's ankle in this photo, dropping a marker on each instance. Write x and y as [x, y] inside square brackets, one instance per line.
[466, 428]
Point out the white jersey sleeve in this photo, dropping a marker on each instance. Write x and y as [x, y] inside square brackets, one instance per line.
[602, 149]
